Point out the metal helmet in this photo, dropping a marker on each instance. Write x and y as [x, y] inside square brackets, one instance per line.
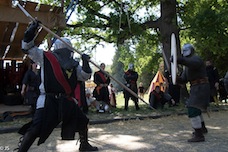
[64, 53]
[187, 50]
[59, 44]
[131, 66]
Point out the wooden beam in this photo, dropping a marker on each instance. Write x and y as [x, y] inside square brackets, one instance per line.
[50, 16]
[50, 20]
[3, 26]
[5, 2]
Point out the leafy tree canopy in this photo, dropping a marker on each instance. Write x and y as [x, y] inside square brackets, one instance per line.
[205, 23]
[135, 27]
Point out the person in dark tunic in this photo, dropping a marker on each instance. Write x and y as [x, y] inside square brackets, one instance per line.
[213, 78]
[131, 78]
[56, 102]
[30, 86]
[158, 98]
[101, 92]
[226, 82]
[195, 73]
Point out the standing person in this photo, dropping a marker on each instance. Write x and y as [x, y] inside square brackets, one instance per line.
[195, 73]
[131, 78]
[30, 86]
[226, 82]
[56, 102]
[213, 78]
[112, 95]
[141, 90]
[101, 92]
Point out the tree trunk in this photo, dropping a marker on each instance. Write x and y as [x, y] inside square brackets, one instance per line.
[168, 25]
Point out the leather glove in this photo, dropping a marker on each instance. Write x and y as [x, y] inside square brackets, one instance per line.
[85, 57]
[85, 63]
[171, 59]
[31, 31]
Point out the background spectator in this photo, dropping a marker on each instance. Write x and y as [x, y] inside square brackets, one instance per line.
[112, 95]
[158, 98]
[30, 86]
[141, 90]
[213, 78]
[131, 78]
[102, 81]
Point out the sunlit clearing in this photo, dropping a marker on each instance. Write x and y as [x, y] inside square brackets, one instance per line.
[93, 129]
[125, 141]
[165, 135]
[214, 127]
[66, 145]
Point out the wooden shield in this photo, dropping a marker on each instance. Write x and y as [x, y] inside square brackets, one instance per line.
[174, 56]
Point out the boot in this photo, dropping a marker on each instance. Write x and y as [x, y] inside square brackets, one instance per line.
[136, 105]
[19, 144]
[204, 129]
[198, 136]
[26, 142]
[84, 144]
[126, 105]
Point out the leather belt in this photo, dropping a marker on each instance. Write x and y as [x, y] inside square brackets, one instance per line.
[56, 95]
[199, 81]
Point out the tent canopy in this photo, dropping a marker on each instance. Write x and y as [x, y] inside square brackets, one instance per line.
[158, 80]
[13, 23]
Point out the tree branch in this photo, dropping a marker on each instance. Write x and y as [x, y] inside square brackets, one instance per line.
[151, 24]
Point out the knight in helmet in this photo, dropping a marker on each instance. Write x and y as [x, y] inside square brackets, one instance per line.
[57, 103]
[131, 77]
[195, 73]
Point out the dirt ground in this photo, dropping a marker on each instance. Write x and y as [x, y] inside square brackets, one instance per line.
[167, 134]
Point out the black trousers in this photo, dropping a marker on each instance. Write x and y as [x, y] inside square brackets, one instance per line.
[127, 97]
[33, 132]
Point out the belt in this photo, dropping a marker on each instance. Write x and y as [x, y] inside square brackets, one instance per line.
[60, 95]
[56, 95]
[199, 81]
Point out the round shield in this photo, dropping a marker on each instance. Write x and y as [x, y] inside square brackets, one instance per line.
[174, 56]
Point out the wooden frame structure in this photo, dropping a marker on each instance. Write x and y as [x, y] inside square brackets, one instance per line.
[13, 23]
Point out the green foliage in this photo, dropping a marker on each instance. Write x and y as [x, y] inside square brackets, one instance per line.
[148, 56]
[117, 69]
[207, 27]
[144, 53]
[202, 23]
